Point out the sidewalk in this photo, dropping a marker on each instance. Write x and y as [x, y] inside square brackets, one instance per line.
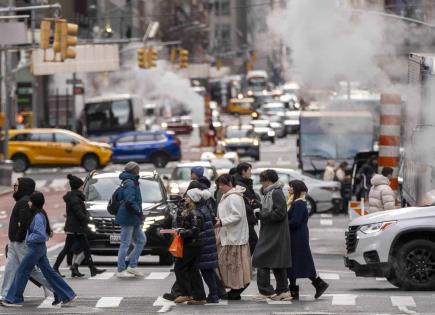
[4, 190]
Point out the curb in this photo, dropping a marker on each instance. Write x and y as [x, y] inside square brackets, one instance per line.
[5, 191]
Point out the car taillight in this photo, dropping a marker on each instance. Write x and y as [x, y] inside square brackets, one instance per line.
[331, 189]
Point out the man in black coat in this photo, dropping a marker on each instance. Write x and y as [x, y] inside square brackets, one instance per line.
[242, 177]
[19, 223]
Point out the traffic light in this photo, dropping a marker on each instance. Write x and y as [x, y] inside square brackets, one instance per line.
[57, 38]
[184, 58]
[253, 55]
[249, 66]
[218, 64]
[142, 60]
[152, 57]
[68, 40]
[44, 37]
[173, 56]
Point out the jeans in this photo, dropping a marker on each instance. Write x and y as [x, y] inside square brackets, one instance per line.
[71, 240]
[37, 256]
[263, 281]
[209, 277]
[129, 233]
[16, 252]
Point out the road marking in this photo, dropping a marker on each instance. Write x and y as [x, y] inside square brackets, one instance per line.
[272, 302]
[47, 303]
[158, 275]
[113, 301]
[54, 247]
[343, 299]
[3, 215]
[263, 163]
[326, 222]
[381, 279]
[103, 276]
[41, 183]
[58, 183]
[326, 215]
[403, 302]
[329, 276]
[58, 227]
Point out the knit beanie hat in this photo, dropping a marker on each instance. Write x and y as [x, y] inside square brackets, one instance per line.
[131, 167]
[198, 171]
[74, 182]
[37, 199]
[195, 194]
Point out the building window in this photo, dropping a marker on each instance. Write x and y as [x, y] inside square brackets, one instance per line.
[223, 35]
[223, 7]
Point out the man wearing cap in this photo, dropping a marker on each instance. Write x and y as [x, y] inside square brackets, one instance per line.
[130, 217]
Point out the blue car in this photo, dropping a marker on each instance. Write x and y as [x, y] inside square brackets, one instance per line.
[157, 147]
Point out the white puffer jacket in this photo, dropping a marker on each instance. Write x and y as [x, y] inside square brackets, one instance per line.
[381, 196]
[232, 213]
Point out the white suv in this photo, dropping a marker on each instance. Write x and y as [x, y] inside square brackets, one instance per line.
[398, 245]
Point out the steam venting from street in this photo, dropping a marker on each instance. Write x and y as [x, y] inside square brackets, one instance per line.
[161, 85]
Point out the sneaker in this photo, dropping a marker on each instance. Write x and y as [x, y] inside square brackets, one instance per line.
[124, 274]
[284, 296]
[182, 299]
[12, 305]
[69, 301]
[135, 271]
[196, 302]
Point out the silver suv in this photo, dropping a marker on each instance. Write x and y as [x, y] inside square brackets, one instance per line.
[398, 245]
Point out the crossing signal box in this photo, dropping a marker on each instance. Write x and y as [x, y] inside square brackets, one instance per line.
[68, 40]
[184, 58]
[253, 55]
[173, 56]
[142, 60]
[152, 57]
[44, 38]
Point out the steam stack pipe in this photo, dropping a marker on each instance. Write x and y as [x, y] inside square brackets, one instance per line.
[389, 139]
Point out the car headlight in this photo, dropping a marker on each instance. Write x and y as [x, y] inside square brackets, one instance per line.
[174, 189]
[376, 227]
[164, 125]
[256, 142]
[92, 227]
[271, 133]
[250, 93]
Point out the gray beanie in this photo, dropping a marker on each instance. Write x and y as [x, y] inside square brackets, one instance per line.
[131, 166]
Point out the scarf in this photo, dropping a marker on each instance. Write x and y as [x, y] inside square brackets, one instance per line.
[267, 192]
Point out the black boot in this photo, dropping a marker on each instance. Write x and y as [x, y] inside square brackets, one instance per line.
[294, 291]
[94, 270]
[75, 271]
[320, 286]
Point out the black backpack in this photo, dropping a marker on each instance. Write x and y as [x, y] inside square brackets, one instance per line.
[115, 201]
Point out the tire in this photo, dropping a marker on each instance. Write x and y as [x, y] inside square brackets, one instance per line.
[391, 278]
[166, 260]
[272, 140]
[90, 162]
[311, 205]
[414, 265]
[160, 159]
[21, 163]
[257, 158]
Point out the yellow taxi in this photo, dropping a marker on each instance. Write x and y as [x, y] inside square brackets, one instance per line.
[55, 147]
[242, 106]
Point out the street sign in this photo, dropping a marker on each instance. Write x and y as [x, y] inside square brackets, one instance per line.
[79, 90]
[13, 33]
[74, 82]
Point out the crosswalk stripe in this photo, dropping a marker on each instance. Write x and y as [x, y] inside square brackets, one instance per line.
[343, 299]
[103, 276]
[272, 302]
[113, 301]
[329, 276]
[402, 301]
[41, 183]
[47, 303]
[157, 275]
[326, 215]
[326, 222]
[58, 183]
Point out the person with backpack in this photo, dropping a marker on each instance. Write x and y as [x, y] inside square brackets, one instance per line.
[130, 217]
[77, 219]
[38, 233]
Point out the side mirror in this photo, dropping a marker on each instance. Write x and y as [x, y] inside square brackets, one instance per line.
[166, 177]
[74, 142]
[174, 198]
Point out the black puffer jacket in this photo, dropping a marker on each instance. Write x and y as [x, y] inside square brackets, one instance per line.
[77, 218]
[249, 195]
[21, 215]
[192, 229]
[208, 258]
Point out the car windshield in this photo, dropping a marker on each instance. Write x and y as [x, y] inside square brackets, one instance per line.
[239, 133]
[260, 123]
[101, 189]
[222, 163]
[183, 173]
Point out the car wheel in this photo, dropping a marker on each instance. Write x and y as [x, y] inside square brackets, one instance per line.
[391, 278]
[257, 158]
[21, 163]
[160, 159]
[414, 265]
[166, 260]
[311, 206]
[272, 140]
[90, 163]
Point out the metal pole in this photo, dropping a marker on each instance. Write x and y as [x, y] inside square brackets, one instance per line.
[30, 8]
[35, 119]
[74, 111]
[8, 104]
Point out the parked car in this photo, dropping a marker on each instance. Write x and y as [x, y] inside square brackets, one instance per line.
[397, 244]
[243, 140]
[104, 234]
[241, 106]
[55, 147]
[272, 108]
[263, 130]
[157, 147]
[180, 177]
[322, 195]
[179, 125]
[277, 124]
[291, 120]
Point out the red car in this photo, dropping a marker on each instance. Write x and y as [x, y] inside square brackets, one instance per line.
[179, 125]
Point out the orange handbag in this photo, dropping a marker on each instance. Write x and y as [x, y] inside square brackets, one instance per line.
[176, 248]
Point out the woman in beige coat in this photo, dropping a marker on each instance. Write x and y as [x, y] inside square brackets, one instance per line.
[233, 238]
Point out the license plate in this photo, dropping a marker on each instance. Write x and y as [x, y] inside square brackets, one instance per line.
[115, 238]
